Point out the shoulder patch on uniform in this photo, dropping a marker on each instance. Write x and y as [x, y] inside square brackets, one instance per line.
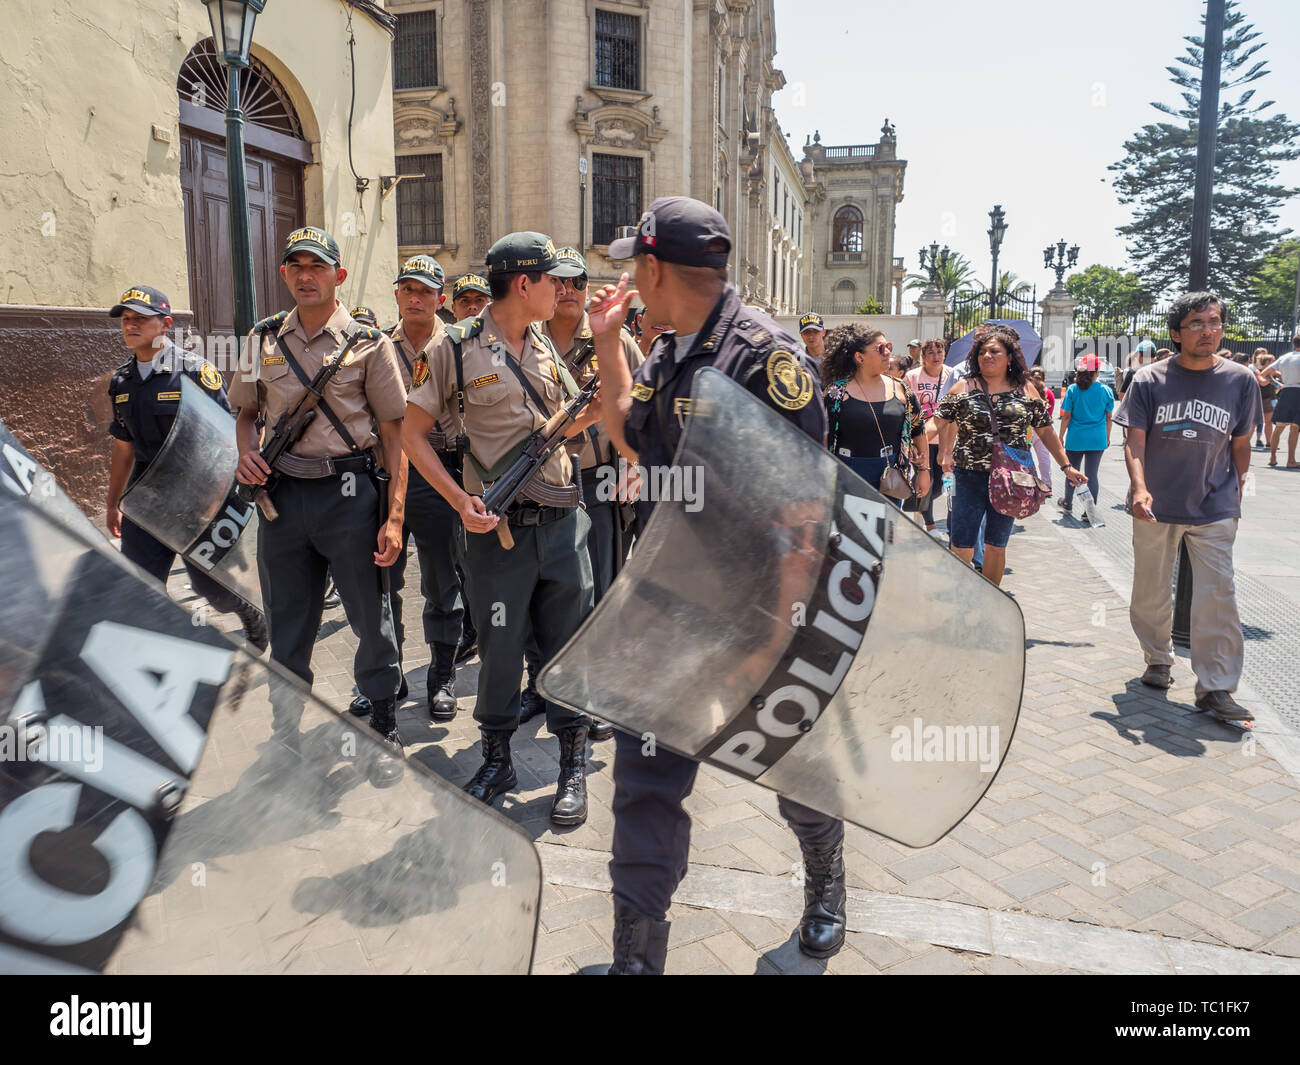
[367, 332]
[486, 379]
[271, 323]
[209, 377]
[465, 330]
[641, 392]
[789, 385]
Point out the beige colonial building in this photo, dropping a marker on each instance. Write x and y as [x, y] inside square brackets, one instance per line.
[114, 135]
[497, 104]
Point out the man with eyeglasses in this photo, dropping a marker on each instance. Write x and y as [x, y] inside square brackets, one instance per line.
[1189, 420]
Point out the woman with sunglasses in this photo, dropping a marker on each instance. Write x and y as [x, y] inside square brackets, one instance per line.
[874, 419]
[996, 383]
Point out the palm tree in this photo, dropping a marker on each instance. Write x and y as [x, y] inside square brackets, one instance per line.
[1012, 287]
[956, 275]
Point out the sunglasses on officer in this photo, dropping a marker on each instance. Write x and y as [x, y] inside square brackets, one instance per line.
[577, 283]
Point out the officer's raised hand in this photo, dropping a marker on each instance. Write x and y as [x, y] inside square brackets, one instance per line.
[608, 307]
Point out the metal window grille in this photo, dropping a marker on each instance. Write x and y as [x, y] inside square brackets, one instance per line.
[419, 201]
[616, 194]
[415, 51]
[848, 230]
[618, 50]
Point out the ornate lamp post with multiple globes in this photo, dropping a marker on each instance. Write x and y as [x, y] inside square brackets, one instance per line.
[232, 34]
[1055, 257]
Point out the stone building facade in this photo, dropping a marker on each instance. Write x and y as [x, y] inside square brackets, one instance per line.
[496, 102]
[855, 190]
[114, 140]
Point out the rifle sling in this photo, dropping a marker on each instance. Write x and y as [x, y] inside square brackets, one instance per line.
[328, 370]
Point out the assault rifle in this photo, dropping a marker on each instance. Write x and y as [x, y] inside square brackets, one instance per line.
[539, 447]
[288, 430]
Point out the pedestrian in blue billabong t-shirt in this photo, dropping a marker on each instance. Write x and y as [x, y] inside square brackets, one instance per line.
[1189, 422]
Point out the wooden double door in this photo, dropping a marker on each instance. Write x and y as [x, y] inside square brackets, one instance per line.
[275, 208]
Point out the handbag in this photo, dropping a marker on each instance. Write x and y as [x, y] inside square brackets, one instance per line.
[1014, 487]
[894, 482]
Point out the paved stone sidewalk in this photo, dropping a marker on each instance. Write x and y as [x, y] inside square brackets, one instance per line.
[1118, 808]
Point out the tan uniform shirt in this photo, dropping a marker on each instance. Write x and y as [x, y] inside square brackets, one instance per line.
[415, 363]
[365, 390]
[498, 412]
[588, 457]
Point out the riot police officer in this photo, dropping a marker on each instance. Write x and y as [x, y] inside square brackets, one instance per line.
[681, 250]
[146, 394]
[327, 498]
[504, 379]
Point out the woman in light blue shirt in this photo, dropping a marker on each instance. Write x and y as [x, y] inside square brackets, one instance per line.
[1085, 428]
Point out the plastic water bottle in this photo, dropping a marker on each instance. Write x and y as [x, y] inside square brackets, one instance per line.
[1084, 495]
[948, 484]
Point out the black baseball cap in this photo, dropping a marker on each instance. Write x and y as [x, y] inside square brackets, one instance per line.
[424, 269]
[365, 316]
[470, 283]
[812, 320]
[679, 230]
[522, 253]
[313, 240]
[143, 300]
[572, 264]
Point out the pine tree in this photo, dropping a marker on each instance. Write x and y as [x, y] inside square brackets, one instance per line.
[1158, 172]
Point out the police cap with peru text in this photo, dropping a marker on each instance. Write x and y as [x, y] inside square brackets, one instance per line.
[365, 316]
[522, 253]
[143, 300]
[313, 240]
[424, 269]
[678, 229]
[812, 320]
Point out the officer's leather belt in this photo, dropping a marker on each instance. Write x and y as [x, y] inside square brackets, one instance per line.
[530, 514]
[315, 469]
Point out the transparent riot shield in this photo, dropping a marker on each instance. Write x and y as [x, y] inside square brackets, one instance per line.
[169, 804]
[186, 498]
[782, 620]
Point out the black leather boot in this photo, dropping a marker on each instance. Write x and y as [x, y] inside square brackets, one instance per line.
[360, 707]
[467, 648]
[254, 623]
[386, 770]
[570, 805]
[531, 702]
[600, 730]
[440, 682]
[821, 931]
[497, 773]
[640, 944]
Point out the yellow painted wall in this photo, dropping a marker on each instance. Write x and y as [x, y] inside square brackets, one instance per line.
[90, 200]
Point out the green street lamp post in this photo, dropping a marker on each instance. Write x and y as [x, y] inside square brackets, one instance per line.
[997, 231]
[232, 34]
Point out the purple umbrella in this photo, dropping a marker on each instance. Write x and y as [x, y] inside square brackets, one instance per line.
[1031, 344]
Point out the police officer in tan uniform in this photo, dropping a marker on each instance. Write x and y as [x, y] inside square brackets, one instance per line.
[504, 372]
[469, 295]
[327, 501]
[429, 517]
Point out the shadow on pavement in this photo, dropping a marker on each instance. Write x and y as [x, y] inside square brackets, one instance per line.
[1177, 728]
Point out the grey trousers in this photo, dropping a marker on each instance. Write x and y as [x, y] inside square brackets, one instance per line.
[1217, 644]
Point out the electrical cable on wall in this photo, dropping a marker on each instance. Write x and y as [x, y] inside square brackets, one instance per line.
[362, 183]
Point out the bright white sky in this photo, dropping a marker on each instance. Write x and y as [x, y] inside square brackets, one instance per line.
[1030, 122]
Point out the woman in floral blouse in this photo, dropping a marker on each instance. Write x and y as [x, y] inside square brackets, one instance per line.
[995, 380]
